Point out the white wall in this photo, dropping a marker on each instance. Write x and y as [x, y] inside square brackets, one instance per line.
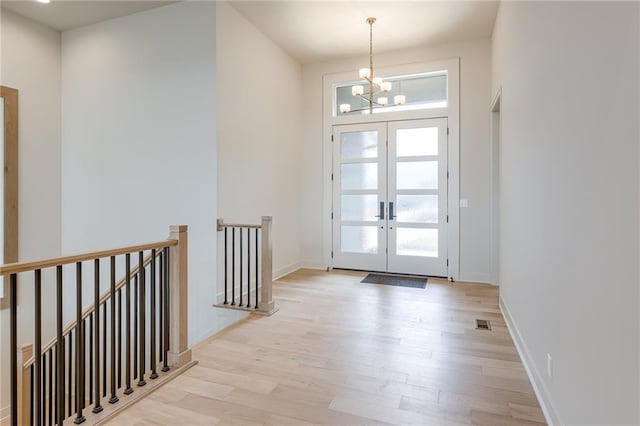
[139, 140]
[569, 188]
[475, 80]
[259, 95]
[30, 62]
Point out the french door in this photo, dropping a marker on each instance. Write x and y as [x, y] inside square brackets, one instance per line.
[390, 197]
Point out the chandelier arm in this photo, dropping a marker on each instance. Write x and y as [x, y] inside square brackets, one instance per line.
[365, 96]
[375, 106]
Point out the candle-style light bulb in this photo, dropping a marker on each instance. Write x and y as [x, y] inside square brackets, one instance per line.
[364, 73]
[383, 101]
[344, 108]
[357, 90]
[399, 99]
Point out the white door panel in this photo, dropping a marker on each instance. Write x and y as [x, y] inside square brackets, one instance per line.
[417, 197]
[359, 188]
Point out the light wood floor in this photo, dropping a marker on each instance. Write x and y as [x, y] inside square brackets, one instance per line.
[344, 353]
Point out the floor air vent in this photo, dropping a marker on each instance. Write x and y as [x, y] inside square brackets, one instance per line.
[483, 324]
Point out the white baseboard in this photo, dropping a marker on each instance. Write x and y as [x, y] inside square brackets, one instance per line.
[312, 264]
[542, 393]
[286, 270]
[476, 278]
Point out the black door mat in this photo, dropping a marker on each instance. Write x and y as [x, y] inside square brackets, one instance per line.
[399, 281]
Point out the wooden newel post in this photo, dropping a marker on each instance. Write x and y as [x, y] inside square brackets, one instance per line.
[266, 304]
[179, 351]
[25, 353]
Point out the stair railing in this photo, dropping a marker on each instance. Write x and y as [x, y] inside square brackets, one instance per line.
[247, 252]
[92, 359]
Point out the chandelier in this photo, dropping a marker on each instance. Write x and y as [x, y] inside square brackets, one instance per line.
[376, 85]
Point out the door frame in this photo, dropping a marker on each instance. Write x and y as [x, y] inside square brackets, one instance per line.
[451, 112]
[10, 190]
[496, 173]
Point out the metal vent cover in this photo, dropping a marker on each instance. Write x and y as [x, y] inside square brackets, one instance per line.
[482, 324]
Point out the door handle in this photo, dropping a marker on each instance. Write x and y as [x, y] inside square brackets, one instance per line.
[381, 214]
[391, 215]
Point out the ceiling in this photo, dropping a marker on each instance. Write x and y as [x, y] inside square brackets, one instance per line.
[67, 15]
[314, 31]
[310, 31]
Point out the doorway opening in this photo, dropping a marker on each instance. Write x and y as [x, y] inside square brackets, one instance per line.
[390, 197]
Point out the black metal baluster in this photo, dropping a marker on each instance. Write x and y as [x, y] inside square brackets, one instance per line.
[50, 388]
[59, 349]
[112, 297]
[90, 357]
[248, 267]
[70, 373]
[37, 347]
[13, 313]
[119, 352]
[44, 388]
[226, 249]
[32, 407]
[152, 268]
[79, 348]
[165, 331]
[241, 252]
[161, 339]
[128, 390]
[257, 256]
[84, 364]
[63, 386]
[56, 395]
[96, 308]
[135, 326]
[233, 266]
[142, 299]
[104, 349]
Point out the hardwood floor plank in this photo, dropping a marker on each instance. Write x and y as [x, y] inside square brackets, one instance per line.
[526, 412]
[397, 356]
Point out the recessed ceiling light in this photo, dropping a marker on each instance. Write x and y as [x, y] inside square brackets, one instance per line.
[43, 1]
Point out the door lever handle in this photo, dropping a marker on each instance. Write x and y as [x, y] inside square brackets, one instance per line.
[381, 214]
[391, 215]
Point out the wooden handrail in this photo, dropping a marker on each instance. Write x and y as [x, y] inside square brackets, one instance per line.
[91, 308]
[221, 225]
[13, 268]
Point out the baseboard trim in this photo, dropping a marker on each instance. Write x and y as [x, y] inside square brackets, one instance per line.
[541, 391]
[476, 278]
[106, 415]
[286, 270]
[311, 264]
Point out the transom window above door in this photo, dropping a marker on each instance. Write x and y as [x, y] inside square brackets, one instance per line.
[417, 91]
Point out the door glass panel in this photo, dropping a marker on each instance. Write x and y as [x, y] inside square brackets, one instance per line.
[417, 242]
[359, 207]
[413, 142]
[417, 208]
[359, 144]
[417, 175]
[359, 176]
[359, 239]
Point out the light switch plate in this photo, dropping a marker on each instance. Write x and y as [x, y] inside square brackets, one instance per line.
[464, 203]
